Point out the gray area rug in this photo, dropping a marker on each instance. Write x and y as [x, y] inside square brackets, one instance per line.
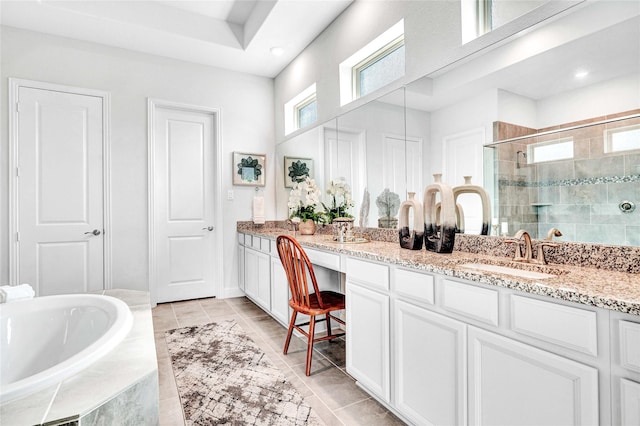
[223, 377]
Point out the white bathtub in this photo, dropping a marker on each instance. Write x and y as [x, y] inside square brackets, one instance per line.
[47, 339]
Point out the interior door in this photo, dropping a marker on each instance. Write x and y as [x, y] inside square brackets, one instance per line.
[463, 157]
[345, 157]
[184, 204]
[402, 168]
[60, 191]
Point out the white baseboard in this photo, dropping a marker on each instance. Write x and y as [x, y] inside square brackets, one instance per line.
[231, 292]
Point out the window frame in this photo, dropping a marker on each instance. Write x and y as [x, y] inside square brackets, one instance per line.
[375, 57]
[531, 156]
[300, 105]
[608, 138]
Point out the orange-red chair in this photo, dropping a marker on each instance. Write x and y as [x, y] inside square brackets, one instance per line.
[299, 270]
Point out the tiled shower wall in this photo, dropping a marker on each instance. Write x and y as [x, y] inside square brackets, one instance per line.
[579, 196]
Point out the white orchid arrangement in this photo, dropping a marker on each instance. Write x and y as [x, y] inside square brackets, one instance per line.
[341, 200]
[303, 200]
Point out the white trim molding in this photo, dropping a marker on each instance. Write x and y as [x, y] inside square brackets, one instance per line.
[152, 105]
[14, 85]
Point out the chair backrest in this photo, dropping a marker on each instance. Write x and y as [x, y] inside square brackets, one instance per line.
[298, 268]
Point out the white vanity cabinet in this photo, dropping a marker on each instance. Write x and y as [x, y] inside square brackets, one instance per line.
[257, 274]
[367, 312]
[625, 374]
[240, 250]
[429, 375]
[280, 293]
[438, 349]
[511, 383]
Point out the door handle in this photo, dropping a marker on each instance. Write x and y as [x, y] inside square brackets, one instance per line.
[208, 228]
[94, 232]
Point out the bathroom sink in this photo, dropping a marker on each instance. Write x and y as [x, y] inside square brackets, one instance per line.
[356, 240]
[523, 273]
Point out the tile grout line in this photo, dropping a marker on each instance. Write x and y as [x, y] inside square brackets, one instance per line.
[184, 419]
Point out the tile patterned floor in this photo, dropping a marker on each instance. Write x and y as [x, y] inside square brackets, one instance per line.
[331, 392]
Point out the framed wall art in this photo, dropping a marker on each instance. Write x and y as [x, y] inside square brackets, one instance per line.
[248, 169]
[296, 169]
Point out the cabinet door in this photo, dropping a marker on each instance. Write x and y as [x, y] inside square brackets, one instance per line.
[629, 402]
[279, 292]
[250, 272]
[368, 338]
[430, 366]
[241, 266]
[257, 277]
[511, 383]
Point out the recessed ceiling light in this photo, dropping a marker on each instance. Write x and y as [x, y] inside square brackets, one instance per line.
[581, 74]
[277, 51]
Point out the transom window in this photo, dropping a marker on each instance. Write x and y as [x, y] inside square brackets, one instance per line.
[377, 64]
[301, 111]
[481, 16]
[622, 139]
[379, 69]
[306, 112]
[559, 149]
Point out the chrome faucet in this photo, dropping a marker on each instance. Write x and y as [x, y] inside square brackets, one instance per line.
[517, 239]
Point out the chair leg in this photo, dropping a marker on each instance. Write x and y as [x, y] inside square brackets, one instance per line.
[312, 325]
[328, 324]
[290, 332]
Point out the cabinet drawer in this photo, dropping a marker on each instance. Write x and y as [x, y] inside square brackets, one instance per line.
[265, 245]
[414, 285]
[374, 274]
[240, 239]
[569, 327]
[323, 258]
[630, 345]
[255, 242]
[473, 302]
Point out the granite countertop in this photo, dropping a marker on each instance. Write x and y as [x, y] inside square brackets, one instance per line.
[617, 291]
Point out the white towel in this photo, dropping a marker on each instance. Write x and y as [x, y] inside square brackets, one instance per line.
[258, 210]
[9, 293]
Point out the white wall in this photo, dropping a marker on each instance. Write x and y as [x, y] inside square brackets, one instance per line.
[433, 40]
[478, 112]
[620, 94]
[246, 102]
[432, 31]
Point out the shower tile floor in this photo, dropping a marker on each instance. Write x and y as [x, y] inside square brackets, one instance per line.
[331, 392]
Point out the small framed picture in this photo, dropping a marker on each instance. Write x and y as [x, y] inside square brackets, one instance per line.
[296, 169]
[248, 169]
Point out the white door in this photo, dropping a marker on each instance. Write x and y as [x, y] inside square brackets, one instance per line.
[60, 191]
[184, 194]
[463, 157]
[345, 157]
[402, 166]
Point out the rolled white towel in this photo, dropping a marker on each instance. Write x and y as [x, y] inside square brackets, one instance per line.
[9, 293]
[258, 210]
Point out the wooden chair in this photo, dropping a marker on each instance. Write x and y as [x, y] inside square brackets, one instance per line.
[299, 269]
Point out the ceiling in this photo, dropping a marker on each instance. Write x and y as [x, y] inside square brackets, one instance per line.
[232, 34]
[609, 53]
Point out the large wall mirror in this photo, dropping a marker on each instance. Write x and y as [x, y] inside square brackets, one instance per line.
[501, 98]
